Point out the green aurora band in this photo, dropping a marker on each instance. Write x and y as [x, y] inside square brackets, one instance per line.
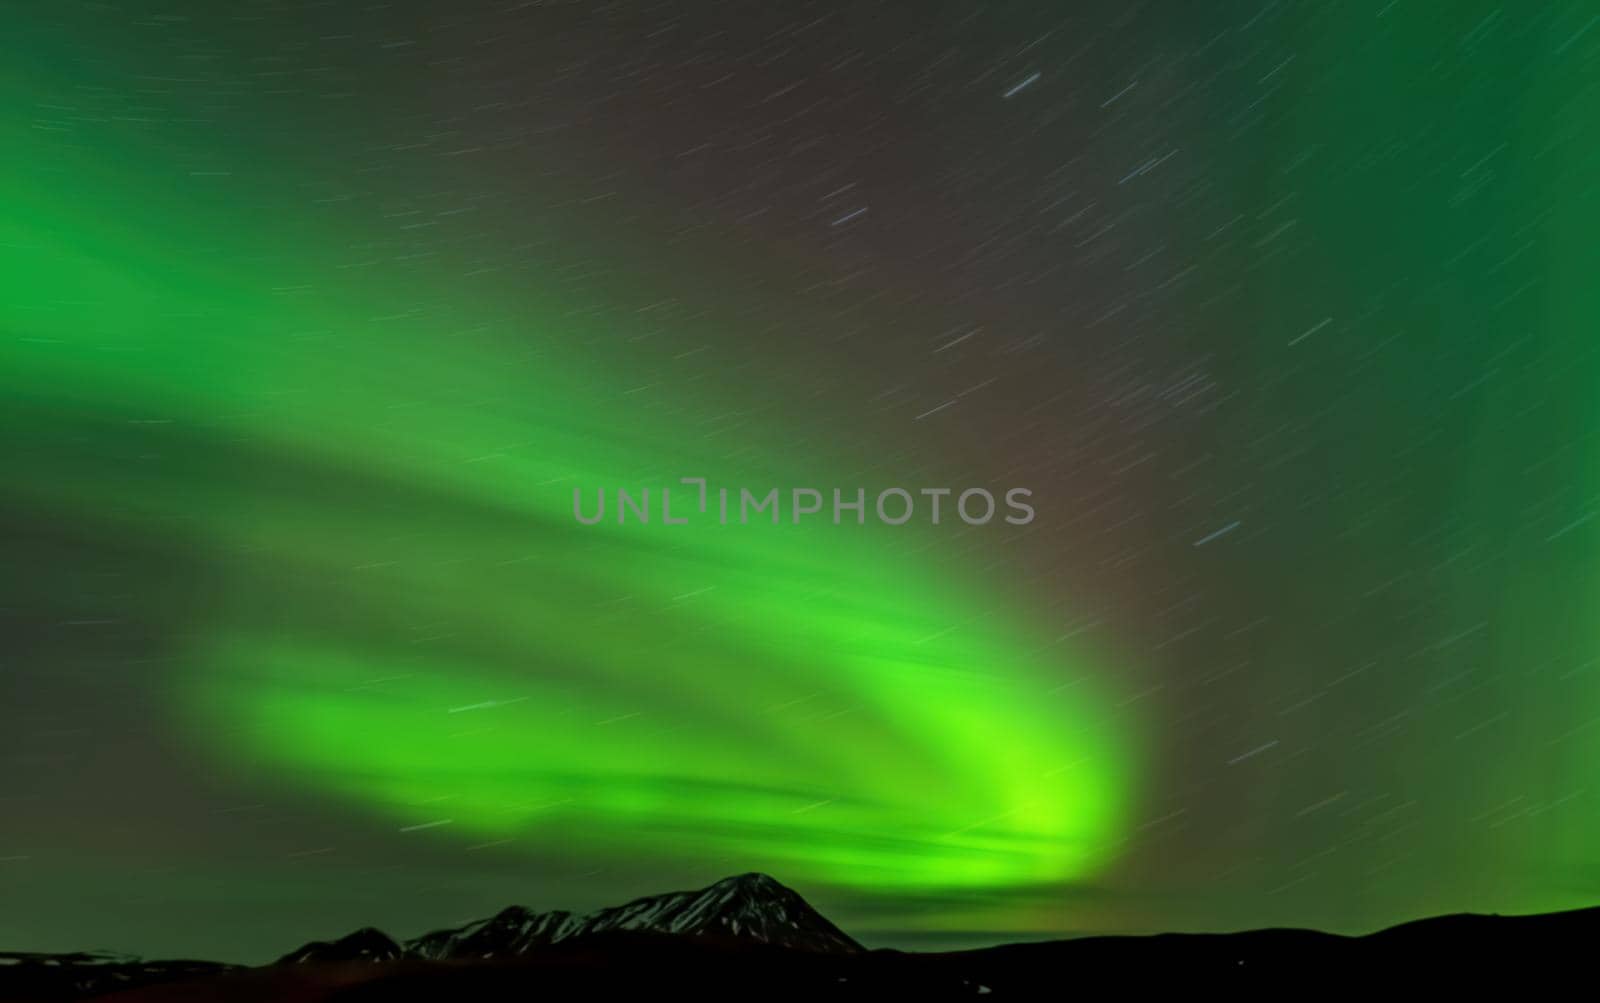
[402, 611]
[307, 334]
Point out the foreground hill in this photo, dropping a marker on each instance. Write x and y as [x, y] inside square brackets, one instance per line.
[750, 936]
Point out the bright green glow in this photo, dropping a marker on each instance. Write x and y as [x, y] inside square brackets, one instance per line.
[282, 405]
[403, 613]
[885, 773]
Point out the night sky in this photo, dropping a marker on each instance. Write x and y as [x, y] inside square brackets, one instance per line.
[314, 314]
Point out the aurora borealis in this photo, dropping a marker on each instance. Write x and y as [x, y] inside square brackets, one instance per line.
[315, 315]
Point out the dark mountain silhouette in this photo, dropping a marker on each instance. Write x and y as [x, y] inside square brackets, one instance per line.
[749, 936]
[748, 907]
[366, 944]
[89, 973]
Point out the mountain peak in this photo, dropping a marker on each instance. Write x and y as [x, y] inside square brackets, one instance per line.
[750, 906]
[365, 944]
[753, 881]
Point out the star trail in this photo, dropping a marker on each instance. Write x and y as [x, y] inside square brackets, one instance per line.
[316, 316]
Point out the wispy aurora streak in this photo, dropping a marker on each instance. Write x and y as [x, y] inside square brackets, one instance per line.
[399, 610]
[313, 314]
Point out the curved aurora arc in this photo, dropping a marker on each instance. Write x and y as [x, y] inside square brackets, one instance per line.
[402, 613]
[793, 696]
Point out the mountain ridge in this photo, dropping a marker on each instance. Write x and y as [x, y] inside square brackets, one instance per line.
[750, 906]
[749, 936]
